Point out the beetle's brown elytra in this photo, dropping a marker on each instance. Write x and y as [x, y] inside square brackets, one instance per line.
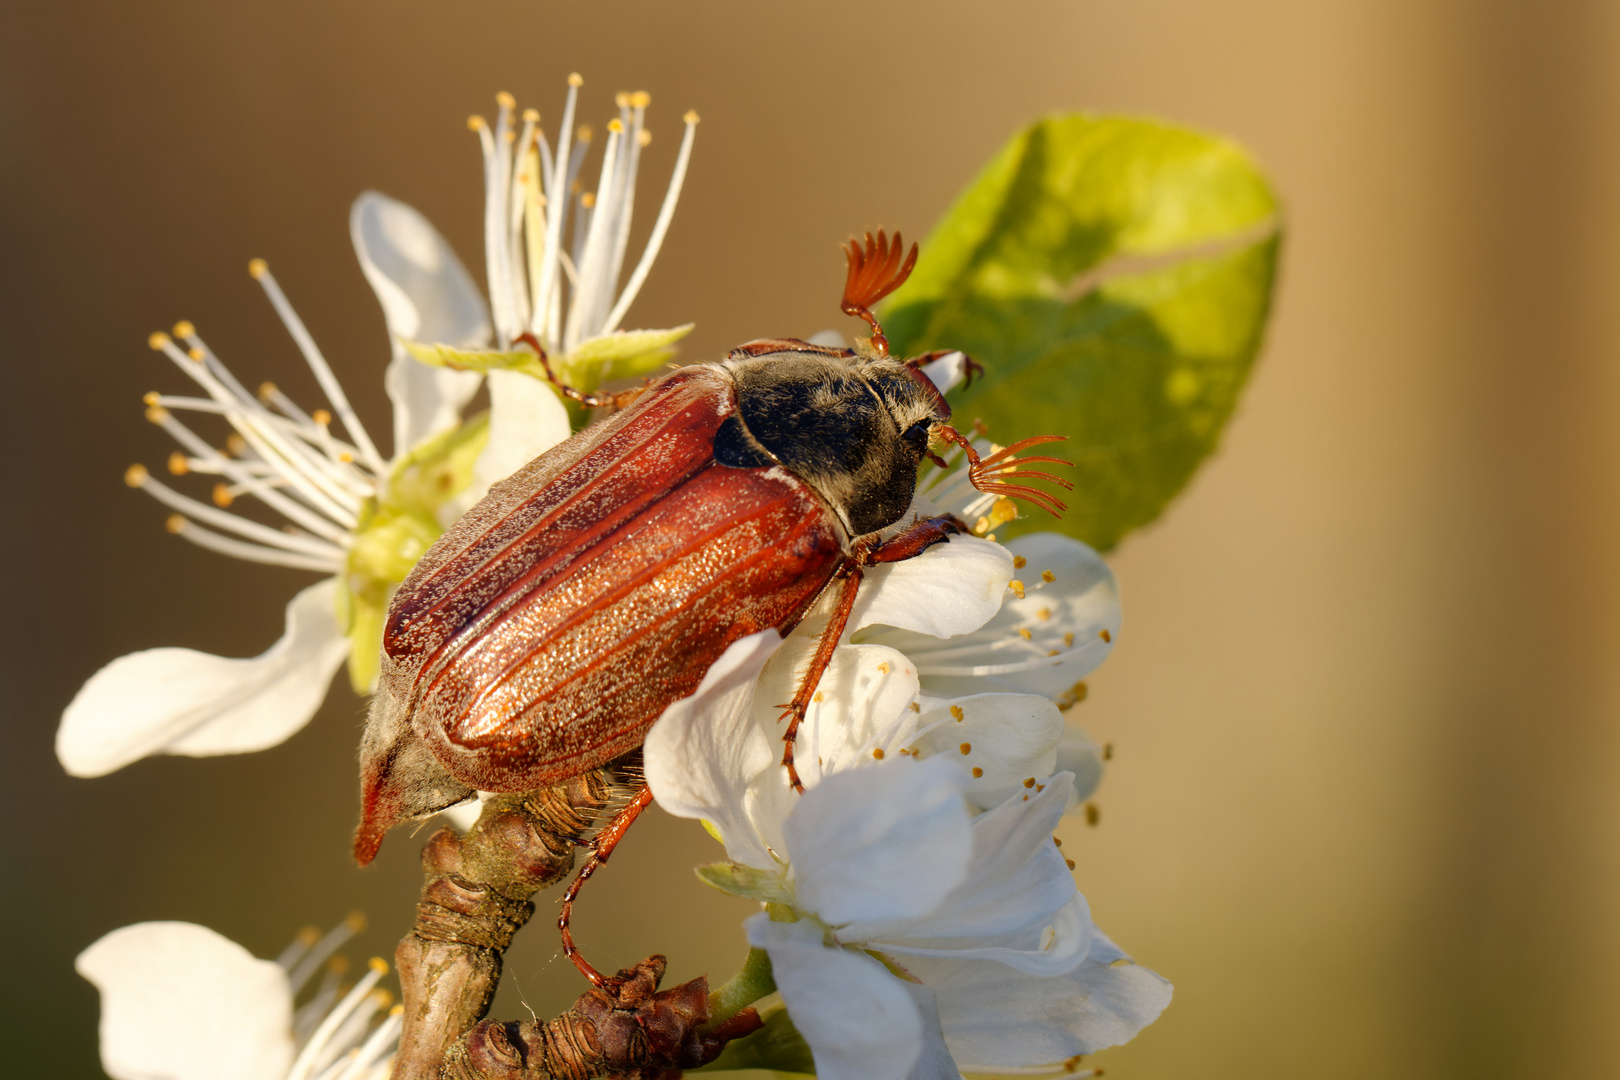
[548, 629]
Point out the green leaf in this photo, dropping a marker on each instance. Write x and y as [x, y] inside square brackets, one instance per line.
[778, 1046]
[763, 885]
[1114, 277]
[448, 356]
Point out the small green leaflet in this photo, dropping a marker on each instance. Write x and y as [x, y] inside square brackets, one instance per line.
[765, 886]
[1114, 276]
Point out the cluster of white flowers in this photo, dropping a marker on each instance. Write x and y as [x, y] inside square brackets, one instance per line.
[919, 917]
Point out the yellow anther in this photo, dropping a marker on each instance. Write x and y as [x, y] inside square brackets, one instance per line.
[136, 475]
[338, 965]
[157, 340]
[819, 697]
[475, 122]
[378, 964]
[1051, 652]
[183, 328]
[157, 414]
[1069, 863]
[1044, 614]
[878, 753]
[1017, 587]
[235, 445]
[505, 100]
[175, 524]
[644, 137]
[883, 668]
[1068, 639]
[397, 1010]
[509, 137]
[981, 526]
[531, 116]
[1108, 751]
[574, 79]
[691, 116]
[966, 748]
[346, 457]
[1105, 635]
[382, 997]
[916, 707]
[1071, 1064]
[151, 397]
[257, 268]
[1023, 632]
[223, 496]
[1019, 562]
[196, 354]
[588, 199]
[1048, 577]
[321, 417]
[977, 772]
[640, 99]
[178, 465]
[308, 936]
[1079, 690]
[1093, 815]
[267, 392]
[622, 99]
[355, 921]
[1003, 511]
[1030, 782]
[956, 713]
[615, 126]
[1039, 788]
[584, 133]
[1057, 842]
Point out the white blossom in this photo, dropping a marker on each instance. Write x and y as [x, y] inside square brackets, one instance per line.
[181, 1002]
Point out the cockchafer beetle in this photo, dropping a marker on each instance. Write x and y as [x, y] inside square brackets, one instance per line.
[546, 631]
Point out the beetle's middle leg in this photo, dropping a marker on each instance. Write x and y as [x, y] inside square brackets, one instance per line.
[614, 401]
[908, 544]
[606, 841]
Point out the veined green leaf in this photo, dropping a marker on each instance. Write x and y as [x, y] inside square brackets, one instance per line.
[1114, 276]
[448, 356]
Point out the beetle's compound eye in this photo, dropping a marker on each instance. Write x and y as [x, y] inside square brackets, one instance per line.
[916, 436]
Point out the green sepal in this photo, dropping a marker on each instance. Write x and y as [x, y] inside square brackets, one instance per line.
[625, 353]
[481, 360]
[1114, 277]
[778, 1046]
[394, 531]
[766, 886]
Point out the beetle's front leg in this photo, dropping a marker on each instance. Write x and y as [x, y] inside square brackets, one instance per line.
[923, 534]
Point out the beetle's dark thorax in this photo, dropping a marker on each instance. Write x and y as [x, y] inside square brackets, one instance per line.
[823, 419]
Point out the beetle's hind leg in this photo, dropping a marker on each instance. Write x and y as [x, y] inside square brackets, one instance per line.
[601, 849]
[908, 544]
[614, 401]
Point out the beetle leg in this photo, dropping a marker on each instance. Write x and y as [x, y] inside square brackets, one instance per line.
[606, 841]
[614, 401]
[794, 711]
[922, 535]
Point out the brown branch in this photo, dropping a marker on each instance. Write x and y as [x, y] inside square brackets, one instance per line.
[475, 897]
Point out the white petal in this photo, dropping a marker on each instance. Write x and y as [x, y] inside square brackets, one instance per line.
[946, 372]
[1082, 600]
[995, 1016]
[426, 295]
[526, 418]
[705, 750]
[950, 589]
[860, 1021]
[1077, 754]
[180, 1002]
[887, 842]
[180, 701]
[1016, 883]
[1009, 737]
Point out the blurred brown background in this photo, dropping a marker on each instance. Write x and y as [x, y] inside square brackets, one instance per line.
[1364, 809]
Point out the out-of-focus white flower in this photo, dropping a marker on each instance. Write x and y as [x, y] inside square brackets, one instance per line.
[343, 509]
[931, 910]
[181, 1002]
